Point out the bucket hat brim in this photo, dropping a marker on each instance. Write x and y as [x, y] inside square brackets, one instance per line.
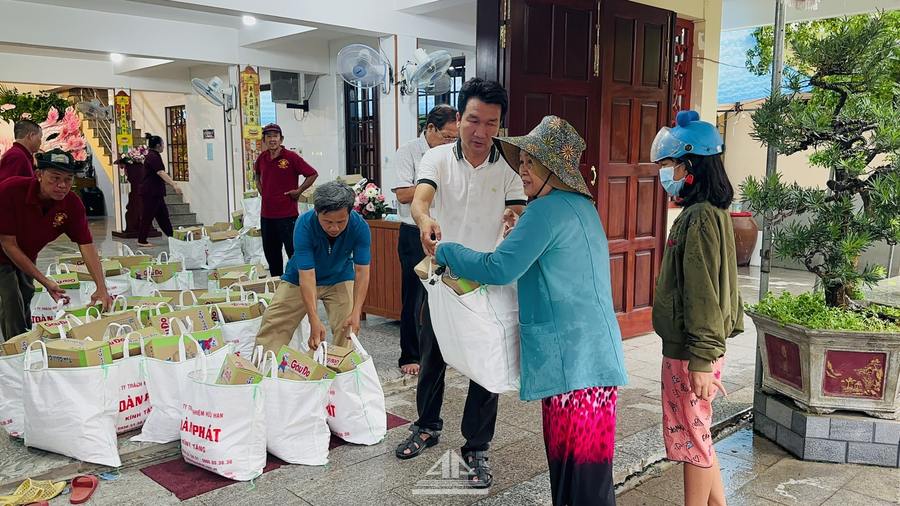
[556, 145]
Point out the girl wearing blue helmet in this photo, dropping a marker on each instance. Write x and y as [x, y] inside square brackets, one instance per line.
[697, 303]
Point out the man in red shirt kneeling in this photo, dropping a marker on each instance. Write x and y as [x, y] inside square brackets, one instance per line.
[35, 211]
[277, 170]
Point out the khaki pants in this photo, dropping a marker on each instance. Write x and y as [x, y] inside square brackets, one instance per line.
[287, 310]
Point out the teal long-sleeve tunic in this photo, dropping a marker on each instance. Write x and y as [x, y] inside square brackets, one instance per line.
[569, 336]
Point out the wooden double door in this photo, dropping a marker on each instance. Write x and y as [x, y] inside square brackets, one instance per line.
[604, 66]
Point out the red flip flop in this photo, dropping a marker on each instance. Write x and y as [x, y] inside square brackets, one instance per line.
[83, 488]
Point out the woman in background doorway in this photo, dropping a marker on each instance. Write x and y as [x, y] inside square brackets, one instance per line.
[153, 192]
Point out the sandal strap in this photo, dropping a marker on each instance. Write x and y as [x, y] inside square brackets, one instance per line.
[414, 441]
[478, 461]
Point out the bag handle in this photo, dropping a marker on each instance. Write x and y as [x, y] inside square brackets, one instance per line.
[87, 314]
[119, 328]
[127, 251]
[126, 344]
[155, 293]
[269, 281]
[189, 236]
[59, 309]
[159, 258]
[230, 288]
[27, 354]
[321, 353]
[185, 327]
[258, 357]
[358, 345]
[250, 295]
[269, 359]
[217, 316]
[201, 357]
[112, 309]
[74, 321]
[181, 298]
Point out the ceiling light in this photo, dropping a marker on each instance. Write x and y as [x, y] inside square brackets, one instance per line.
[116, 57]
[248, 20]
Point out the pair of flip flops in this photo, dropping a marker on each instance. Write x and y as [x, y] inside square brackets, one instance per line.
[33, 491]
[38, 492]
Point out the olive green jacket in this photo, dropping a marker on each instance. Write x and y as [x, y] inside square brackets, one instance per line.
[698, 302]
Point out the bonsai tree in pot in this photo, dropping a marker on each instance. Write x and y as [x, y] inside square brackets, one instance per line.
[843, 97]
[850, 118]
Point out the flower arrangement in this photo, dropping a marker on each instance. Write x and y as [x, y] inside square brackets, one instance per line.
[369, 201]
[134, 155]
[64, 133]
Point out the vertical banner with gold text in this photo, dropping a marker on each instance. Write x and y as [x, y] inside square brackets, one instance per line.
[251, 131]
[122, 123]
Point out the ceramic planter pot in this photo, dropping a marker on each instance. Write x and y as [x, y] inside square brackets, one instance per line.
[745, 235]
[825, 370]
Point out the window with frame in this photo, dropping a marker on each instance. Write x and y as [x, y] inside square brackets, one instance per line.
[266, 106]
[457, 73]
[176, 142]
[362, 132]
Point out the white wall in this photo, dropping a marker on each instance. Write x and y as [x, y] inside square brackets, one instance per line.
[211, 185]
[148, 110]
[314, 134]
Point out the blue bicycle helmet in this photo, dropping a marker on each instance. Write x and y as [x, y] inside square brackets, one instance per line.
[688, 136]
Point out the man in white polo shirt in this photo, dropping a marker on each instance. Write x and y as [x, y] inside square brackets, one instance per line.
[440, 128]
[470, 187]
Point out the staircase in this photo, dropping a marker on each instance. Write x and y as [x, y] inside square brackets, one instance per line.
[179, 212]
[100, 136]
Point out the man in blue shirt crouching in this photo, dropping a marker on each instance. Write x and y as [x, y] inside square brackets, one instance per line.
[330, 263]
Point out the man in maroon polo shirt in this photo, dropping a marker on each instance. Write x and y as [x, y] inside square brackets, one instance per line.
[277, 172]
[35, 211]
[19, 159]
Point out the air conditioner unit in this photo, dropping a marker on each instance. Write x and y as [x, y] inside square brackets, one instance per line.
[289, 88]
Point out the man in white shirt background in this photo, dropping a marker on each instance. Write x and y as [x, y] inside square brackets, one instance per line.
[440, 128]
[463, 191]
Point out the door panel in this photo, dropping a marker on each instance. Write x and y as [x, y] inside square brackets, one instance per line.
[617, 106]
[549, 55]
[634, 40]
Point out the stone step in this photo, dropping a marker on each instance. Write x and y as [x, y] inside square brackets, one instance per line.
[183, 220]
[178, 209]
[174, 198]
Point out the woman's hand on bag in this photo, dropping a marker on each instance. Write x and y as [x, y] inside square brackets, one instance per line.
[316, 334]
[353, 323]
[704, 385]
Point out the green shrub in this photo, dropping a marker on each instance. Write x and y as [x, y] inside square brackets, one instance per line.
[809, 310]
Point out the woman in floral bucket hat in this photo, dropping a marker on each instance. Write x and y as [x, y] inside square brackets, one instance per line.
[571, 347]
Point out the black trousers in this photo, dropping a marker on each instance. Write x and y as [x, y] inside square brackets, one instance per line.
[480, 412]
[16, 292]
[277, 233]
[154, 208]
[412, 293]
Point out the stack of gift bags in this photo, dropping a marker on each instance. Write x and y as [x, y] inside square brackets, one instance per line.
[218, 245]
[182, 364]
[287, 403]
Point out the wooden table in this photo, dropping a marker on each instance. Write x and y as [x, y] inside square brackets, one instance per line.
[385, 280]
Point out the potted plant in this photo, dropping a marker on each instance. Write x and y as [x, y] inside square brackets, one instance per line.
[823, 349]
